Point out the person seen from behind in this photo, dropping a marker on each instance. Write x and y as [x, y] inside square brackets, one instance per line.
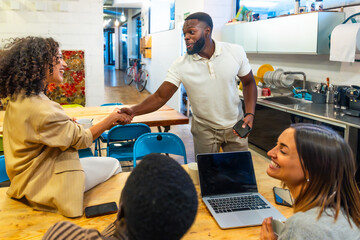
[158, 202]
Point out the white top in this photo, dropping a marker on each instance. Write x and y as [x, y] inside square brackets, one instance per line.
[211, 84]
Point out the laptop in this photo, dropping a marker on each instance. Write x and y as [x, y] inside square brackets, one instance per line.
[228, 189]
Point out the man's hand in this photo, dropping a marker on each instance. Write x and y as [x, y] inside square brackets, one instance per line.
[123, 119]
[128, 111]
[249, 119]
[267, 232]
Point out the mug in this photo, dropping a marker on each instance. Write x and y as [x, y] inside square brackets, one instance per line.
[259, 91]
[85, 122]
[266, 92]
[193, 172]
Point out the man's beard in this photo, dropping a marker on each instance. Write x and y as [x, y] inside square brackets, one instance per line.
[198, 46]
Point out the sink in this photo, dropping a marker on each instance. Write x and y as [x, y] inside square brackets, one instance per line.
[285, 100]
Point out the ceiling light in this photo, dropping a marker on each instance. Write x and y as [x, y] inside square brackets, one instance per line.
[122, 17]
[117, 23]
[106, 22]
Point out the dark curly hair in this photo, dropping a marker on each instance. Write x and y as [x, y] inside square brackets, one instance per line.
[24, 63]
[159, 199]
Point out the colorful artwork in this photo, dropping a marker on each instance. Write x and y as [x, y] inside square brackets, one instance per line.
[72, 91]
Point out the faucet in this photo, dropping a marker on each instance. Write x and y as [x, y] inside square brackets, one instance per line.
[303, 90]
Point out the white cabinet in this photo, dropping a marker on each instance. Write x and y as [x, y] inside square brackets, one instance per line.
[242, 34]
[297, 34]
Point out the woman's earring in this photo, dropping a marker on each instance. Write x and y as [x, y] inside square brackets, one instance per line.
[307, 180]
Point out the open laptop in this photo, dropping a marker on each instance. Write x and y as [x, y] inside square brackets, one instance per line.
[228, 184]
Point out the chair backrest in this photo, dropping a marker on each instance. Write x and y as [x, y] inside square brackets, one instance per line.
[72, 106]
[3, 174]
[111, 104]
[127, 132]
[159, 143]
[1, 143]
[86, 152]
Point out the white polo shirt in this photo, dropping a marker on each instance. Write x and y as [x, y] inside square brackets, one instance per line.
[211, 83]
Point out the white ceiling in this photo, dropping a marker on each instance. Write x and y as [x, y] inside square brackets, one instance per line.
[128, 3]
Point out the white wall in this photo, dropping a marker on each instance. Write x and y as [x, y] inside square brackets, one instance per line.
[76, 25]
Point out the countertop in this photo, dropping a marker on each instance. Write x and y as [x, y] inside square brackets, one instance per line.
[321, 112]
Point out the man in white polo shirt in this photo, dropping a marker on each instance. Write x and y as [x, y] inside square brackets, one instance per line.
[208, 72]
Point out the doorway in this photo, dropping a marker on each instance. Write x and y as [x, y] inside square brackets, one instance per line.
[123, 49]
[109, 46]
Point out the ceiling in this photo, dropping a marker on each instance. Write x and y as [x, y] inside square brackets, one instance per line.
[124, 3]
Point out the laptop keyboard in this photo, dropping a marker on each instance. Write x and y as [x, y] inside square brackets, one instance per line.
[240, 203]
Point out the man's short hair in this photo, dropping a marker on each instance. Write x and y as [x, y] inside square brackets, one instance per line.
[159, 199]
[201, 16]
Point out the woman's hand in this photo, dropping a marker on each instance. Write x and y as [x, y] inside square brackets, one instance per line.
[123, 119]
[267, 232]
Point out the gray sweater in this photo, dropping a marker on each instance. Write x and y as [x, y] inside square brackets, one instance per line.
[304, 225]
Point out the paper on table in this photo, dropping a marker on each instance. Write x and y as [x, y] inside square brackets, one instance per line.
[345, 42]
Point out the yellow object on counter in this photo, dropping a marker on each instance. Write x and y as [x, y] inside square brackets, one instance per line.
[263, 69]
[257, 80]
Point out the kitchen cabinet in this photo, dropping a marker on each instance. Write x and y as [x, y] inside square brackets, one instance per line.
[294, 34]
[242, 34]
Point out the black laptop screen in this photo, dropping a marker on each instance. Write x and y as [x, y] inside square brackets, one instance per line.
[224, 173]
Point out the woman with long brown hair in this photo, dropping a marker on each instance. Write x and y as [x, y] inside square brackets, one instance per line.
[318, 167]
[40, 141]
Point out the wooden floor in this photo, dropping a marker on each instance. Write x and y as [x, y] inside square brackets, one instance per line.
[117, 91]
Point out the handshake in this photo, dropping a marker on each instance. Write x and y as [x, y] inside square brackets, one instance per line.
[122, 116]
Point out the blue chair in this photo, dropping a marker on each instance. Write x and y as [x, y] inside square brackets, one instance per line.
[121, 139]
[103, 136]
[164, 142]
[110, 104]
[3, 175]
[86, 152]
[1, 145]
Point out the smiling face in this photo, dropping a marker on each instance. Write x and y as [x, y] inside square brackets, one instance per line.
[57, 75]
[195, 34]
[285, 162]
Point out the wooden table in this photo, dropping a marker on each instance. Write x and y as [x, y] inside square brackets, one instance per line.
[18, 221]
[165, 116]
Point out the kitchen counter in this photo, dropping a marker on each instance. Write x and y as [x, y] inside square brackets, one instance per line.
[319, 112]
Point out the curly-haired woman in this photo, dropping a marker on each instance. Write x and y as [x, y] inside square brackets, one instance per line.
[319, 168]
[40, 141]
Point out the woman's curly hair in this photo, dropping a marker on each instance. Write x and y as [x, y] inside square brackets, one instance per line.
[24, 63]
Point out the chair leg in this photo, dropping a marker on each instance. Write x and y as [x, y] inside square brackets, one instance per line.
[97, 151]
[99, 145]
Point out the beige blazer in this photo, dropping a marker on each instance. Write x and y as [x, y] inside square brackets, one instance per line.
[42, 161]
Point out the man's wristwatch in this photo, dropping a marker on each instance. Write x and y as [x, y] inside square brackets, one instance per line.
[249, 114]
